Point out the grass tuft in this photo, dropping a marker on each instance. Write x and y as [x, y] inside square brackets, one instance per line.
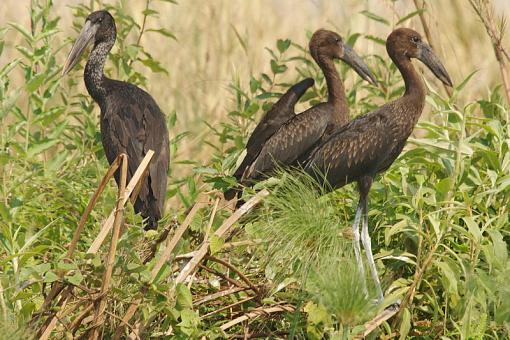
[301, 226]
[337, 285]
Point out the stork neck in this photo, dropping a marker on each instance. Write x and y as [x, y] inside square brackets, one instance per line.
[94, 76]
[412, 80]
[336, 90]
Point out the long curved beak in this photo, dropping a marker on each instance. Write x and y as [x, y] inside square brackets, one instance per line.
[429, 58]
[86, 35]
[355, 61]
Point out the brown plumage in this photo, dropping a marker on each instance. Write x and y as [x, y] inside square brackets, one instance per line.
[280, 112]
[300, 133]
[131, 121]
[370, 144]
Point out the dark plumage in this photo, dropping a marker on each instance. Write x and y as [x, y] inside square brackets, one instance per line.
[280, 112]
[300, 133]
[369, 144]
[131, 121]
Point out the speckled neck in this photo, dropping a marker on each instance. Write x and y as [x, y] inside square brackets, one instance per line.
[93, 74]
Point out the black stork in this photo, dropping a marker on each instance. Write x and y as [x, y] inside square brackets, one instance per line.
[280, 112]
[369, 144]
[131, 121]
[302, 132]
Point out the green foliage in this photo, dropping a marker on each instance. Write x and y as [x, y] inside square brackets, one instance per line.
[337, 285]
[303, 226]
[441, 210]
[438, 217]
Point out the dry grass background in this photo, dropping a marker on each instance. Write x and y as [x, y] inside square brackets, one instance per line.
[208, 54]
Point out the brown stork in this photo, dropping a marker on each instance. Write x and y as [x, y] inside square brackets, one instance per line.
[369, 144]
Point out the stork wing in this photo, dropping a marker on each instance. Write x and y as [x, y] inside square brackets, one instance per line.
[365, 146]
[293, 139]
[134, 124]
[281, 112]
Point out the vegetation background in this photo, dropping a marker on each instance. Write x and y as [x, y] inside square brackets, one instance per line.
[446, 197]
[224, 40]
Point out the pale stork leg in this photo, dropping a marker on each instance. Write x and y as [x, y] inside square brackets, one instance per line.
[367, 244]
[357, 248]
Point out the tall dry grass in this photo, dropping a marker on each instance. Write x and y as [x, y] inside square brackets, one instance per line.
[209, 52]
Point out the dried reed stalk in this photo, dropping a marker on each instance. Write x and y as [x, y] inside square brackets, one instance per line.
[58, 287]
[165, 256]
[222, 231]
[107, 225]
[119, 213]
[218, 295]
[232, 305]
[378, 320]
[485, 12]
[257, 312]
[235, 270]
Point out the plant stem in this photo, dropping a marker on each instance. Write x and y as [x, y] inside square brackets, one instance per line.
[143, 23]
[426, 30]
[495, 34]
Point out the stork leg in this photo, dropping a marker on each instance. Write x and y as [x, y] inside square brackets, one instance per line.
[357, 248]
[364, 186]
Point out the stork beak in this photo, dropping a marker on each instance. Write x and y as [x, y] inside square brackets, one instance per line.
[354, 60]
[86, 35]
[429, 58]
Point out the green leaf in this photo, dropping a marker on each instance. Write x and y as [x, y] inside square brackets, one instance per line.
[23, 31]
[466, 80]
[75, 279]
[375, 39]
[216, 244]
[276, 68]
[409, 16]
[450, 282]
[164, 272]
[473, 228]
[254, 85]
[4, 212]
[435, 223]
[50, 277]
[317, 314]
[184, 299]
[352, 39]
[42, 268]
[149, 12]
[154, 65]
[375, 17]
[405, 324]
[283, 45]
[35, 82]
[62, 265]
[165, 32]
[172, 120]
[189, 322]
[38, 148]
[204, 170]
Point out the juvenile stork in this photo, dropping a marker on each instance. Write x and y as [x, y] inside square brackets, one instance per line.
[302, 132]
[369, 144]
[131, 121]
